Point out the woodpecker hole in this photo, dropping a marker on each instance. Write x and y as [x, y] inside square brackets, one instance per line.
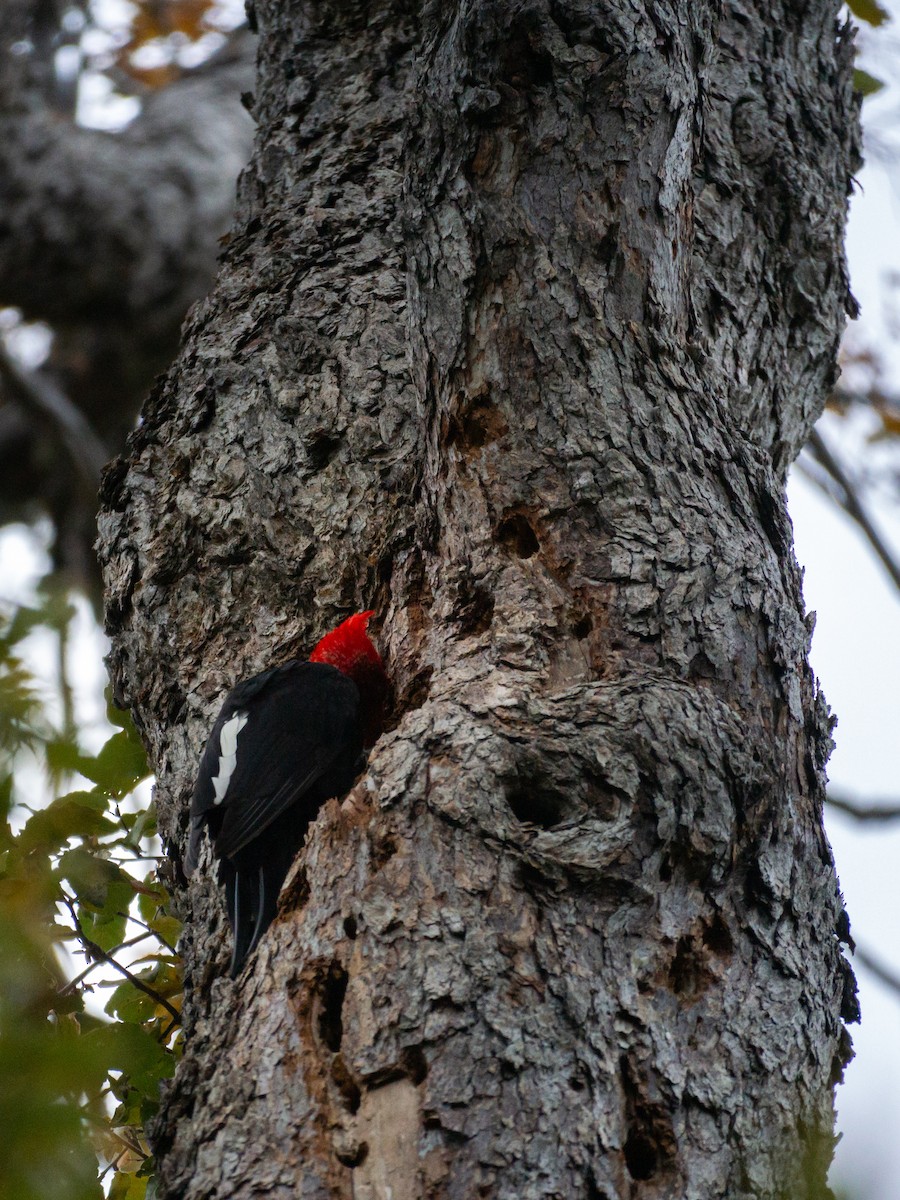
[689, 974]
[717, 937]
[533, 806]
[383, 850]
[640, 1156]
[517, 536]
[331, 1028]
[417, 690]
[355, 1157]
[350, 928]
[321, 448]
[475, 424]
[593, 1191]
[701, 667]
[474, 608]
[582, 626]
[650, 1148]
[414, 1064]
[527, 63]
[411, 1067]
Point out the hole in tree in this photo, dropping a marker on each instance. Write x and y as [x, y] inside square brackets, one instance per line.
[516, 534]
[593, 1190]
[331, 1028]
[640, 1155]
[717, 937]
[413, 1061]
[355, 1157]
[536, 806]
[475, 423]
[383, 850]
[475, 606]
[350, 927]
[582, 626]
[689, 972]
[321, 448]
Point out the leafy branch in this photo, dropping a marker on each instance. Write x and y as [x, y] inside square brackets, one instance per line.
[93, 1073]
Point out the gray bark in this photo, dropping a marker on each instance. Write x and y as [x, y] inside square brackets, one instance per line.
[528, 308]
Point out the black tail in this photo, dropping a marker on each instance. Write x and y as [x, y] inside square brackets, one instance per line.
[251, 894]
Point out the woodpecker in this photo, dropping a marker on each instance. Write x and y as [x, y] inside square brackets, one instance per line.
[284, 742]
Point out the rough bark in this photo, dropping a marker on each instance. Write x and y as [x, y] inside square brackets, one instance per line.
[109, 238]
[528, 309]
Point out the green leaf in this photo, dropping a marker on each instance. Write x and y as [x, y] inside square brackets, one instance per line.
[43, 1150]
[126, 1186]
[79, 814]
[869, 11]
[129, 1003]
[140, 825]
[120, 765]
[89, 874]
[167, 928]
[134, 1051]
[23, 621]
[107, 926]
[865, 83]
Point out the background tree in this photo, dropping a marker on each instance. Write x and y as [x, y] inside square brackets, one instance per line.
[108, 238]
[525, 314]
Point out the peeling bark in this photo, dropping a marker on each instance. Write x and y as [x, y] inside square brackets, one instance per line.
[527, 310]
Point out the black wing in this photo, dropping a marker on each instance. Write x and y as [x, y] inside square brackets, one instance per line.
[297, 728]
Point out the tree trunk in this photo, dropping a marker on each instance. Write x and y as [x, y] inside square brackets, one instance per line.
[528, 308]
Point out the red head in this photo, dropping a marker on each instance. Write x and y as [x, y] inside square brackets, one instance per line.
[348, 648]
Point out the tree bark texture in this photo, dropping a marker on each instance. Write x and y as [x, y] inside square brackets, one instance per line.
[528, 309]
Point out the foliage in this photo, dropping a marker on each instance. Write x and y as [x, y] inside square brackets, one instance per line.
[80, 1078]
[869, 11]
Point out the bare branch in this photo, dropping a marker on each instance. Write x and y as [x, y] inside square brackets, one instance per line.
[848, 498]
[883, 974]
[885, 810]
[150, 931]
[82, 975]
[98, 952]
[40, 395]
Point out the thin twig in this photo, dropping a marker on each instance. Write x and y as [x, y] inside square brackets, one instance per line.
[159, 937]
[886, 811]
[82, 975]
[98, 952]
[65, 688]
[40, 395]
[163, 1037]
[850, 502]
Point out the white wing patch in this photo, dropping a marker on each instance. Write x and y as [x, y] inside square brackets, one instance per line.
[227, 754]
